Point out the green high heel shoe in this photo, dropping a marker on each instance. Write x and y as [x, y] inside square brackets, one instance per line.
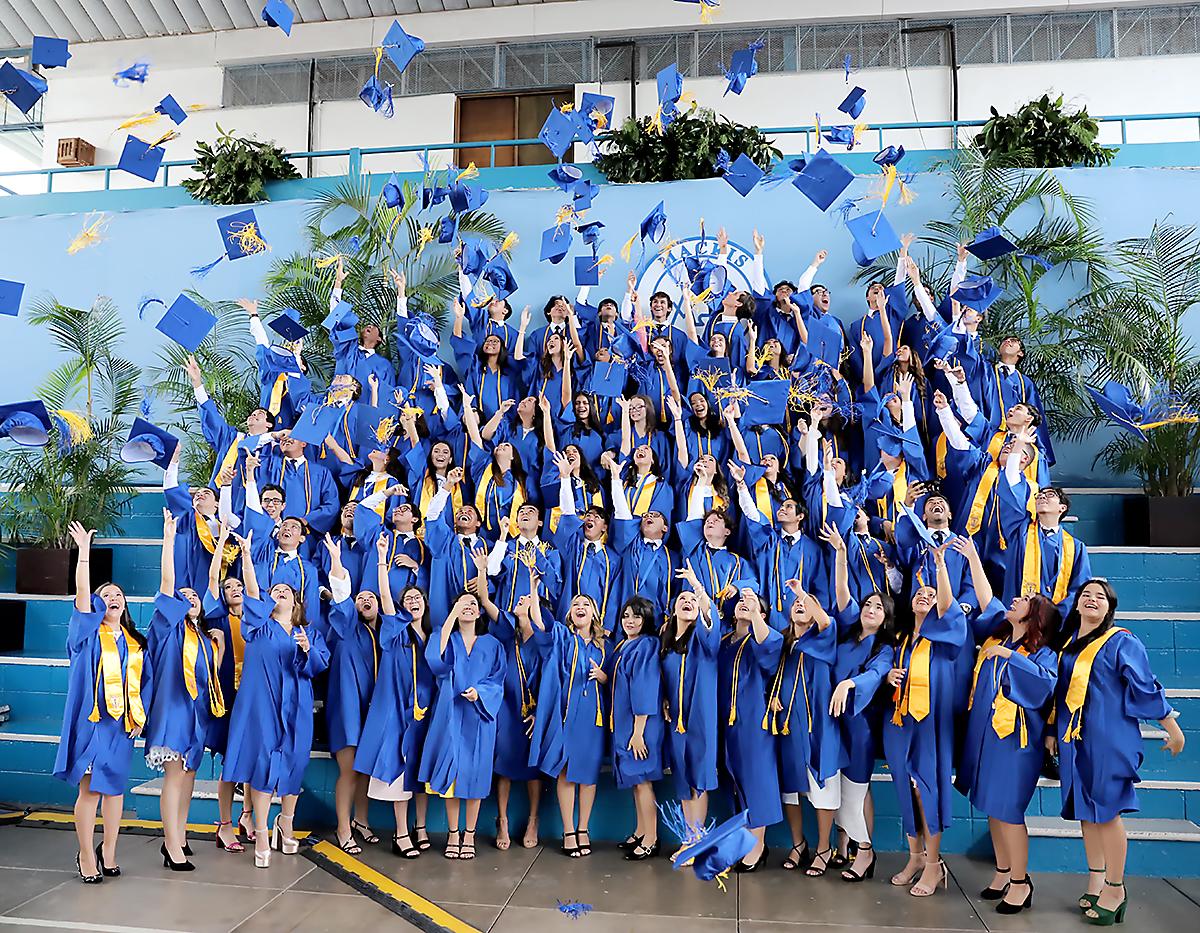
[1088, 901]
[1103, 917]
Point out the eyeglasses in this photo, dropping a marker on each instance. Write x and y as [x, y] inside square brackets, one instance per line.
[271, 500]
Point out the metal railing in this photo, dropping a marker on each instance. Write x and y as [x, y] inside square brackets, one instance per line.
[355, 155]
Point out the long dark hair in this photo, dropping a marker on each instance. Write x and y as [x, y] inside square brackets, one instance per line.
[517, 469]
[593, 419]
[669, 642]
[501, 356]
[1042, 620]
[426, 624]
[711, 425]
[886, 633]
[126, 619]
[591, 482]
[643, 609]
[1072, 621]
[392, 467]
[430, 469]
[481, 624]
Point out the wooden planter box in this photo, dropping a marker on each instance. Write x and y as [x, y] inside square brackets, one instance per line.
[1154, 521]
[45, 571]
[73, 152]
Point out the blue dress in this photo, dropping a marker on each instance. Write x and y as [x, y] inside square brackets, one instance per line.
[103, 747]
[521, 679]
[809, 738]
[635, 681]
[270, 732]
[177, 721]
[865, 661]
[1099, 768]
[745, 668]
[394, 731]
[460, 747]
[922, 752]
[569, 726]
[218, 616]
[353, 666]
[690, 690]
[1000, 775]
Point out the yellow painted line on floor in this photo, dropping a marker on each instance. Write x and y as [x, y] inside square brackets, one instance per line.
[367, 875]
[68, 819]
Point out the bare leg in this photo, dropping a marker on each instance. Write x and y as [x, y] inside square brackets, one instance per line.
[1093, 846]
[587, 799]
[535, 801]
[227, 834]
[168, 806]
[1016, 851]
[760, 840]
[343, 796]
[916, 862]
[85, 825]
[422, 835]
[647, 814]
[503, 790]
[400, 808]
[453, 838]
[1115, 843]
[187, 785]
[795, 820]
[566, 803]
[362, 804]
[1004, 865]
[824, 832]
[110, 809]
[261, 802]
[934, 872]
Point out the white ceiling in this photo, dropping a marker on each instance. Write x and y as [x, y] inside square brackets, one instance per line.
[94, 20]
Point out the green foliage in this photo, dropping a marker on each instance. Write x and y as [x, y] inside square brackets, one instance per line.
[686, 149]
[1134, 330]
[1048, 135]
[52, 486]
[235, 169]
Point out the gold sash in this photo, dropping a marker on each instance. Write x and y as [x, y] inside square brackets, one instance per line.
[913, 698]
[1081, 675]
[122, 690]
[191, 653]
[488, 488]
[1031, 571]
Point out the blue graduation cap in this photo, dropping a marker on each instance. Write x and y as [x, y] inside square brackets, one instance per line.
[742, 67]
[873, 237]
[854, 103]
[670, 85]
[587, 271]
[922, 530]
[148, 443]
[767, 403]
[743, 174]
[27, 423]
[49, 53]
[557, 133]
[583, 193]
[279, 14]
[896, 442]
[393, 192]
[465, 196]
[889, 155]
[979, 292]
[564, 176]
[990, 243]
[472, 259]
[824, 342]
[1117, 403]
[169, 107]
[315, 423]
[654, 225]
[608, 379]
[556, 243]
[186, 323]
[822, 179]
[340, 312]
[141, 159]
[448, 228]
[21, 87]
[842, 135]
[241, 234]
[498, 274]
[377, 95]
[10, 297]
[590, 232]
[940, 341]
[596, 110]
[703, 274]
[719, 849]
[287, 325]
[400, 47]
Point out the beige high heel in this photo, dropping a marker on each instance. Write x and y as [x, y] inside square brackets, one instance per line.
[288, 845]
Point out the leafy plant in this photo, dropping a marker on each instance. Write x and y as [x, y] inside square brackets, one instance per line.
[1052, 136]
[81, 478]
[1135, 331]
[235, 169]
[634, 152]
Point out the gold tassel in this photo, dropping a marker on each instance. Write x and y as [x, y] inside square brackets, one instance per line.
[468, 173]
[510, 240]
[90, 235]
[627, 249]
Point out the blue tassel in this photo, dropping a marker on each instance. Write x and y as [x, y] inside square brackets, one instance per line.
[201, 271]
[574, 909]
[147, 302]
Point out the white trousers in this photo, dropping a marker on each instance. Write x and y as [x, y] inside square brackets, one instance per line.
[851, 816]
[377, 790]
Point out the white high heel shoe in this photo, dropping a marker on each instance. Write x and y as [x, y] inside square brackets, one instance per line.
[262, 859]
[288, 845]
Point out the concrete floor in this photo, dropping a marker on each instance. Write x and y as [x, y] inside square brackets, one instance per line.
[517, 892]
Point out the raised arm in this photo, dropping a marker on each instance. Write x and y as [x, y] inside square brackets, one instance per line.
[83, 568]
[689, 319]
[214, 565]
[983, 587]
[568, 390]
[621, 509]
[548, 419]
[841, 567]
[470, 420]
[573, 330]
[167, 583]
[945, 592]
[681, 447]
[257, 331]
[249, 574]
[729, 413]
[459, 313]
[626, 427]
[868, 346]
[480, 558]
[519, 346]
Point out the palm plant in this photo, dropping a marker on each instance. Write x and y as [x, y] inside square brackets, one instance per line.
[1134, 330]
[79, 475]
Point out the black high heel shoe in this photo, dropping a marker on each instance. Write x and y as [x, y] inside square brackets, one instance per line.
[86, 879]
[630, 844]
[743, 869]
[114, 872]
[170, 863]
[641, 851]
[994, 894]
[850, 876]
[1004, 907]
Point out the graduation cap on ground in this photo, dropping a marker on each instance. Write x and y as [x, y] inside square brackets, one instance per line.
[400, 47]
[979, 293]
[141, 159]
[338, 315]
[990, 244]
[565, 176]
[148, 443]
[854, 103]
[716, 851]
[889, 155]
[742, 173]
[608, 379]
[315, 423]
[557, 133]
[873, 237]
[186, 323]
[742, 67]
[279, 14]
[27, 423]
[21, 87]
[822, 179]
[393, 192]
[10, 297]
[287, 325]
[556, 243]
[49, 53]
[767, 403]
[169, 107]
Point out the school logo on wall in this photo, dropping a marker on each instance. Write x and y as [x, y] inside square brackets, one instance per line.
[667, 271]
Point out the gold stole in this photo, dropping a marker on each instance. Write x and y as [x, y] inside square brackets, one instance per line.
[419, 711]
[643, 495]
[1031, 570]
[777, 687]
[1081, 675]
[1005, 712]
[899, 492]
[230, 458]
[429, 489]
[122, 690]
[556, 512]
[238, 646]
[913, 698]
[204, 533]
[762, 499]
[278, 390]
[191, 653]
[378, 486]
[488, 488]
[737, 669]
[987, 485]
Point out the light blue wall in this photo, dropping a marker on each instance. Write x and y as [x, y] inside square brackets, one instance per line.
[149, 252]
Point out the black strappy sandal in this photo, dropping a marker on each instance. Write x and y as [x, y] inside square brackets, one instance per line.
[994, 894]
[797, 856]
[404, 851]
[585, 846]
[365, 831]
[453, 849]
[422, 838]
[812, 871]
[350, 847]
[850, 876]
[571, 851]
[466, 851]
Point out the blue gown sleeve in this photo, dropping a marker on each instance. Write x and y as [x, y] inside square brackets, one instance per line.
[312, 662]
[867, 684]
[708, 632]
[766, 652]
[985, 622]
[845, 618]
[491, 687]
[325, 507]
[256, 616]
[214, 427]
[343, 616]
[84, 625]
[441, 664]
[645, 684]
[391, 632]
[504, 629]
[169, 611]
[1144, 695]
[179, 500]
[1029, 681]
[949, 629]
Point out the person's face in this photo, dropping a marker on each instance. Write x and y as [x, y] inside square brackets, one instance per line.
[773, 348]
[367, 604]
[503, 453]
[731, 302]
[1016, 611]
[234, 592]
[715, 532]
[468, 609]
[661, 351]
[290, 447]
[904, 353]
[631, 622]
[637, 409]
[583, 407]
[1048, 506]
[687, 606]
[491, 345]
[193, 600]
[272, 503]
[717, 343]
[404, 517]
[970, 316]
[799, 615]
[497, 310]
[342, 385]
[284, 600]
[1006, 452]
[1017, 417]
[574, 458]
[594, 526]
[440, 455]
[654, 526]
[113, 597]
[924, 599]
[1012, 346]
[876, 297]
[770, 463]
[1093, 602]
[893, 406]
[839, 470]
[707, 464]
[659, 306]
[371, 337]
[788, 514]
[643, 456]
[937, 512]
[580, 613]
[820, 296]
[862, 523]
[872, 615]
[607, 311]
[413, 602]
[603, 354]
[554, 345]
[527, 408]
[466, 520]
[699, 405]
[258, 421]
[346, 518]
[783, 294]
[204, 500]
[745, 609]
[558, 310]
[291, 533]
[379, 459]
[528, 520]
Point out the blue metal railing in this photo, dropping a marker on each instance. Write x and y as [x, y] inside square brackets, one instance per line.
[355, 155]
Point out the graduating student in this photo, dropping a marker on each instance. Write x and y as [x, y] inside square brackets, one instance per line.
[1105, 689]
[487, 375]
[636, 722]
[270, 732]
[1000, 759]
[356, 349]
[1005, 386]
[648, 565]
[429, 467]
[355, 557]
[524, 432]
[407, 555]
[456, 761]
[515, 720]
[589, 565]
[918, 738]
[582, 429]
[499, 477]
[646, 488]
[525, 564]
[379, 483]
[914, 553]
[108, 693]
[284, 385]
[308, 487]
[582, 483]
[184, 656]
[569, 724]
[450, 539]
[389, 750]
[197, 513]
[703, 539]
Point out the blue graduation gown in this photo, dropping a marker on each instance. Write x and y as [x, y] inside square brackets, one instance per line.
[221, 437]
[590, 568]
[809, 738]
[355, 558]
[569, 724]
[867, 663]
[999, 775]
[1001, 391]
[915, 558]
[1099, 769]
[745, 667]
[521, 680]
[460, 745]
[690, 690]
[370, 530]
[296, 388]
[776, 561]
[515, 577]
[650, 493]
[176, 721]
[352, 359]
[718, 570]
[923, 751]
[192, 558]
[217, 616]
[450, 564]
[1015, 521]
[272, 566]
[308, 488]
[398, 718]
[353, 665]
[645, 570]
[635, 684]
[270, 732]
[103, 746]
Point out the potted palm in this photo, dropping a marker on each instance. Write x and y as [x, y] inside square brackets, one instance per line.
[78, 475]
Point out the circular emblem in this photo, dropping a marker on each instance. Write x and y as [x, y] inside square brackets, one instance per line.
[690, 262]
